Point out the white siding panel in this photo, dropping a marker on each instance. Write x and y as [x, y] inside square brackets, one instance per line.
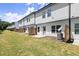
[75, 10]
[58, 12]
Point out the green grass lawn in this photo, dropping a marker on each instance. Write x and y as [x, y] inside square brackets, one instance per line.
[19, 44]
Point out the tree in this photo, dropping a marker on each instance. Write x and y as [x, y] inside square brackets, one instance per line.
[4, 25]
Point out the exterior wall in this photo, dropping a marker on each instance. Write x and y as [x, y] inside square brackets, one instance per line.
[62, 23]
[16, 25]
[58, 11]
[23, 24]
[31, 20]
[74, 21]
[29, 24]
[20, 23]
[75, 10]
[59, 16]
[48, 28]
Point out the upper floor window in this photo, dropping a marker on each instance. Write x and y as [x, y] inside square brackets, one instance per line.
[20, 22]
[77, 28]
[23, 20]
[28, 19]
[43, 15]
[49, 13]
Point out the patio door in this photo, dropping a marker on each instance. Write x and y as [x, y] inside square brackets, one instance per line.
[44, 30]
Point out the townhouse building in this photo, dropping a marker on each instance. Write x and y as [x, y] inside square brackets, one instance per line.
[51, 19]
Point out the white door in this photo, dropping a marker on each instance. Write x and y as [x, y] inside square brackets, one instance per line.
[44, 30]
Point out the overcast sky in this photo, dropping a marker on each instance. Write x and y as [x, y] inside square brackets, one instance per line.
[13, 12]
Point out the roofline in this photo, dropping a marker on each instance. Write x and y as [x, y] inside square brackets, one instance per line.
[50, 4]
[26, 16]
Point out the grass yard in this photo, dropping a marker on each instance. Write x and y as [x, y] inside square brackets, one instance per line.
[18, 44]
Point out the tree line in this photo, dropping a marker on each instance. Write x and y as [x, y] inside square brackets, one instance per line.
[4, 25]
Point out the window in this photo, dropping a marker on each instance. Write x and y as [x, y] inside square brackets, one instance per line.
[44, 28]
[20, 22]
[57, 27]
[38, 29]
[23, 21]
[28, 19]
[77, 28]
[43, 15]
[53, 29]
[49, 13]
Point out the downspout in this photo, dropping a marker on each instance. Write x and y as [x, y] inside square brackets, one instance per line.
[70, 38]
[34, 18]
[35, 21]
